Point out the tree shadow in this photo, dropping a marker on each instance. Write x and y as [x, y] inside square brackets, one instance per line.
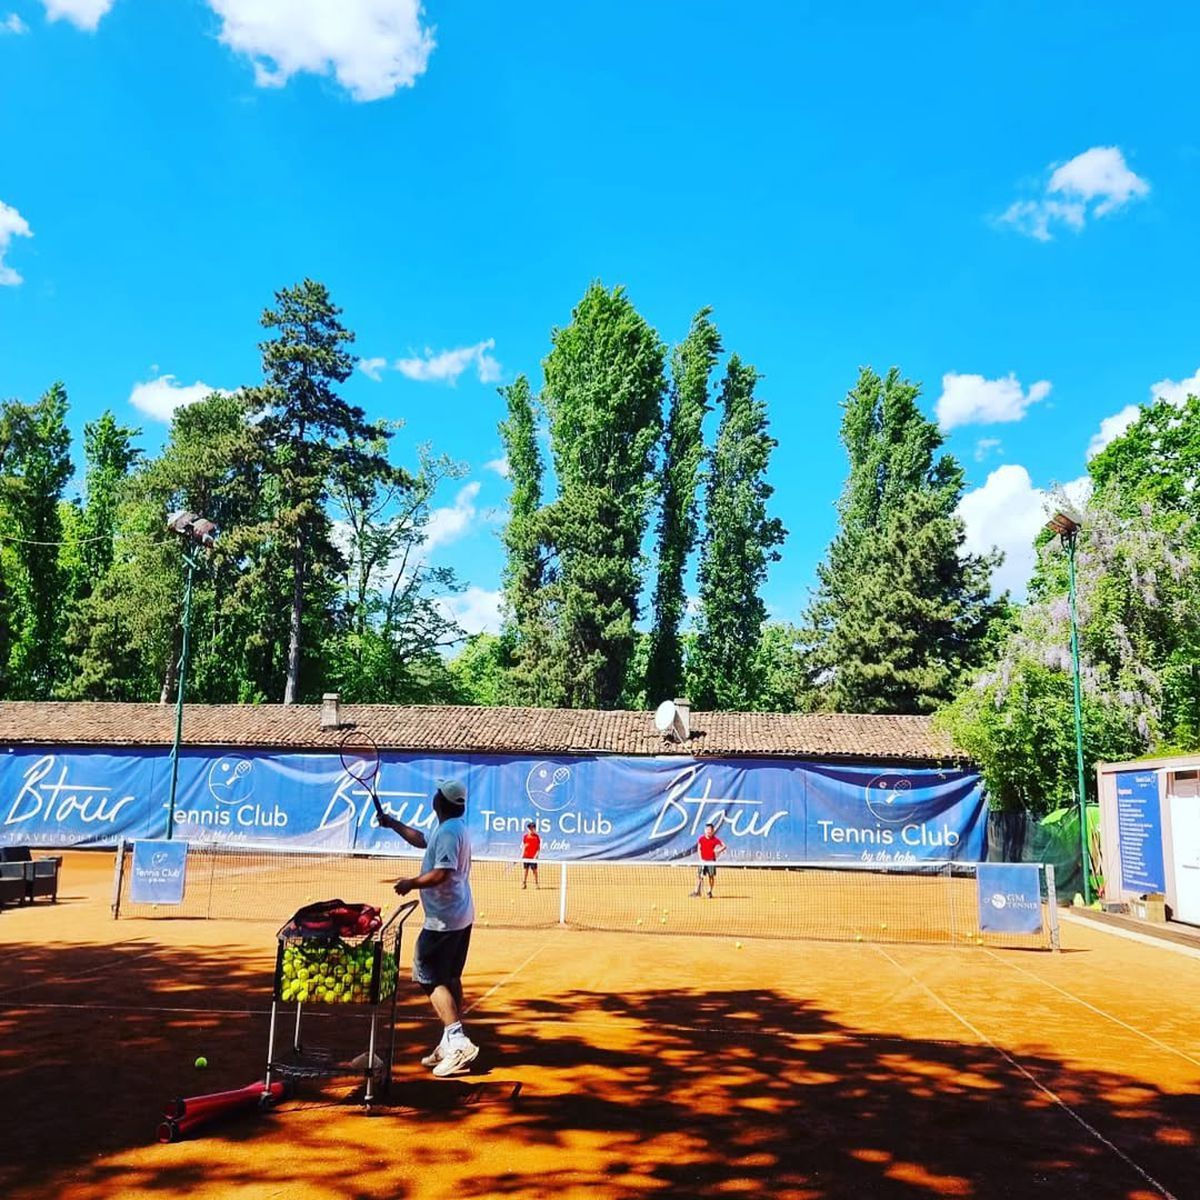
[682, 1092]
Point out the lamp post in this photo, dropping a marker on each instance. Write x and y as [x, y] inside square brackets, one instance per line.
[196, 533]
[1067, 530]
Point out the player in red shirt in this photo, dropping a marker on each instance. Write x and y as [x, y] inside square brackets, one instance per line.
[711, 847]
[530, 845]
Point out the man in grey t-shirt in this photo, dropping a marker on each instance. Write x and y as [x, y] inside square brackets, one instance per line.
[441, 950]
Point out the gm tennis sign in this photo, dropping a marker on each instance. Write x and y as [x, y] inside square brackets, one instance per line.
[1010, 898]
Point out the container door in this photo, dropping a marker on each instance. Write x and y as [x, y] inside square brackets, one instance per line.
[1185, 839]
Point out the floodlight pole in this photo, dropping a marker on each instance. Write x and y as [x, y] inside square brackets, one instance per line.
[1069, 540]
[196, 532]
[192, 565]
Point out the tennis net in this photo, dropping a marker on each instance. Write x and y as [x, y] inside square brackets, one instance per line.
[901, 903]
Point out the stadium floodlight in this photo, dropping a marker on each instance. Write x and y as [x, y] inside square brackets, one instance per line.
[195, 531]
[1066, 528]
[193, 528]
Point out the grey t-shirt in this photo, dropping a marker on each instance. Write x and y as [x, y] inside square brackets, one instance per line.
[449, 905]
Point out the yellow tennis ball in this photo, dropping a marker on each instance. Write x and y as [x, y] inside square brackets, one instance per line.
[737, 945]
[201, 1063]
[638, 921]
[858, 937]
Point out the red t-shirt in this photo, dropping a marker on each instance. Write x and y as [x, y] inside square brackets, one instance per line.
[530, 845]
[708, 847]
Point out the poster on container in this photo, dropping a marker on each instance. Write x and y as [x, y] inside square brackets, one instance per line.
[1139, 831]
[584, 807]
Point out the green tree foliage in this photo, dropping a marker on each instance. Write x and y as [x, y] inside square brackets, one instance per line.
[388, 642]
[691, 365]
[1139, 624]
[481, 671]
[900, 611]
[308, 433]
[603, 394]
[535, 676]
[37, 459]
[740, 541]
[109, 455]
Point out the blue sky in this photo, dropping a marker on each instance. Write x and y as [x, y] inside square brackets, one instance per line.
[1000, 198]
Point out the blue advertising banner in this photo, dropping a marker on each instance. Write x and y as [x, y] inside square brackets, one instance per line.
[1139, 827]
[603, 807]
[1010, 898]
[158, 871]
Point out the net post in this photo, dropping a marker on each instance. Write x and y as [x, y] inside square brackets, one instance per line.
[118, 875]
[562, 894]
[1052, 907]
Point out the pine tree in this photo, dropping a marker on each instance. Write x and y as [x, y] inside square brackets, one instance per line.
[740, 542]
[691, 366]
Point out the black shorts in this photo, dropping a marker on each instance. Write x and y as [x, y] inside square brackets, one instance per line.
[530, 864]
[440, 955]
[709, 869]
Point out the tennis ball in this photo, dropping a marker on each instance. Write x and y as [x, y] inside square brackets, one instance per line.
[737, 945]
[858, 937]
[201, 1063]
[638, 921]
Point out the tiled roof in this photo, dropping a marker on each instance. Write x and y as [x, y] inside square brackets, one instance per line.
[465, 729]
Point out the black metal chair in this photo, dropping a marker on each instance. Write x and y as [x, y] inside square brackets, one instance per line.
[13, 888]
[39, 875]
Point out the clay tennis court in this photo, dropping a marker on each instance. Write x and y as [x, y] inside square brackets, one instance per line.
[615, 1064]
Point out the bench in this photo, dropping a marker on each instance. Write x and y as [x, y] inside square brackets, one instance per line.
[12, 883]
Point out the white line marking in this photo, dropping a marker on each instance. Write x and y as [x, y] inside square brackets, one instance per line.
[58, 980]
[1098, 1011]
[511, 975]
[1081, 1121]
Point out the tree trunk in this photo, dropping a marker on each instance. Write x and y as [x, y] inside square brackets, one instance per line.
[292, 686]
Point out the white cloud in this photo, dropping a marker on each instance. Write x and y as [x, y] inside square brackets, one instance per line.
[159, 398]
[973, 400]
[1176, 391]
[83, 14]
[499, 465]
[448, 365]
[371, 47]
[448, 524]
[1112, 427]
[373, 368]
[985, 447]
[13, 24]
[1007, 512]
[12, 225]
[1094, 183]
[477, 610]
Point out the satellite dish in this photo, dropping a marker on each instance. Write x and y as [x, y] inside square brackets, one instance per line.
[668, 720]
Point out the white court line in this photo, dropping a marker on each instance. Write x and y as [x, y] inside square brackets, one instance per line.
[1131, 934]
[1098, 1011]
[101, 970]
[1037, 1083]
[511, 975]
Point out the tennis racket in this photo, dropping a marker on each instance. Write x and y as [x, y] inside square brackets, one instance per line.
[560, 776]
[360, 760]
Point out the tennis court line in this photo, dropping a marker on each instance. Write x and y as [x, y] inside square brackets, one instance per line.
[101, 970]
[511, 975]
[1037, 1083]
[1098, 1011]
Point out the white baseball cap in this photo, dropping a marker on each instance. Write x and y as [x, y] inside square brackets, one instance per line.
[453, 792]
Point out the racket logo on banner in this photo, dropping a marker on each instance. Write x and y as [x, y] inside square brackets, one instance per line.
[549, 786]
[999, 900]
[890, 799]
[230, 780]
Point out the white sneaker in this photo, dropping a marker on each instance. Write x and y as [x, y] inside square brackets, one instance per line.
[434, 1057]
[458, 1057]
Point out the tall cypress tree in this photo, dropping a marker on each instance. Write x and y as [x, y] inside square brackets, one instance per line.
[691, 366]
[603, 393]
[739, 543]
[900, 611]
[109, 455]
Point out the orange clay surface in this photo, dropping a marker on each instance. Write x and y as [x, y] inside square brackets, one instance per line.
[613, 1065]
